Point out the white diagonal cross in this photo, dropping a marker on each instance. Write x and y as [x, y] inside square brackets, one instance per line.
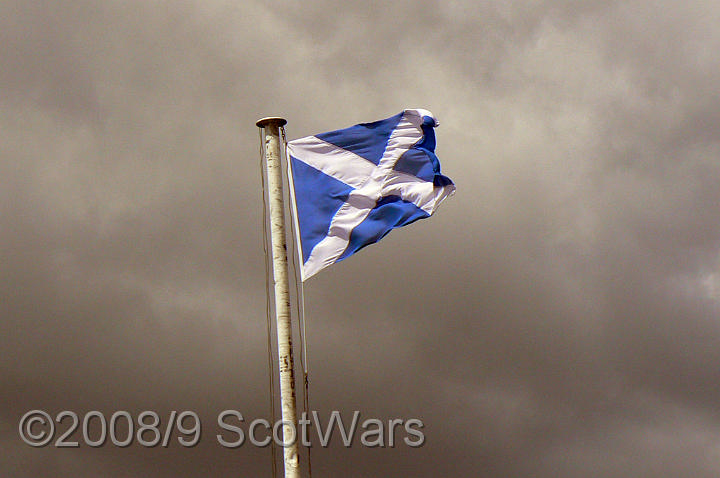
[370, 183]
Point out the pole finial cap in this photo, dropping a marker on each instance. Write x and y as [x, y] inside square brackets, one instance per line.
[271, 120]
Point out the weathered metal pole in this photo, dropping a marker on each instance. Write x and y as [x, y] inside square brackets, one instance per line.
[271, 127]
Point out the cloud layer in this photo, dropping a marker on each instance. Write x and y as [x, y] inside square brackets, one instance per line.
[557, 317]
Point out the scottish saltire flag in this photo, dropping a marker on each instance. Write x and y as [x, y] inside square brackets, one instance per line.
[350, 187]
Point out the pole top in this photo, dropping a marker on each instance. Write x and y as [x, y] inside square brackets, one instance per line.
[271, 120]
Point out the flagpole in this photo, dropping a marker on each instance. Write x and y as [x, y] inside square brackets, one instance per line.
[271, 126]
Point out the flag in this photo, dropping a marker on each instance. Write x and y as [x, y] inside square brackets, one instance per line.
[351, 186]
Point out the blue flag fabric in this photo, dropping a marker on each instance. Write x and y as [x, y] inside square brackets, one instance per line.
[350, 187]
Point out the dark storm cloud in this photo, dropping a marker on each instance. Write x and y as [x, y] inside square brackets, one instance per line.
[558, 317]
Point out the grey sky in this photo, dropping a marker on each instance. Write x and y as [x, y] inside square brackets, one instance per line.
[557, 317]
